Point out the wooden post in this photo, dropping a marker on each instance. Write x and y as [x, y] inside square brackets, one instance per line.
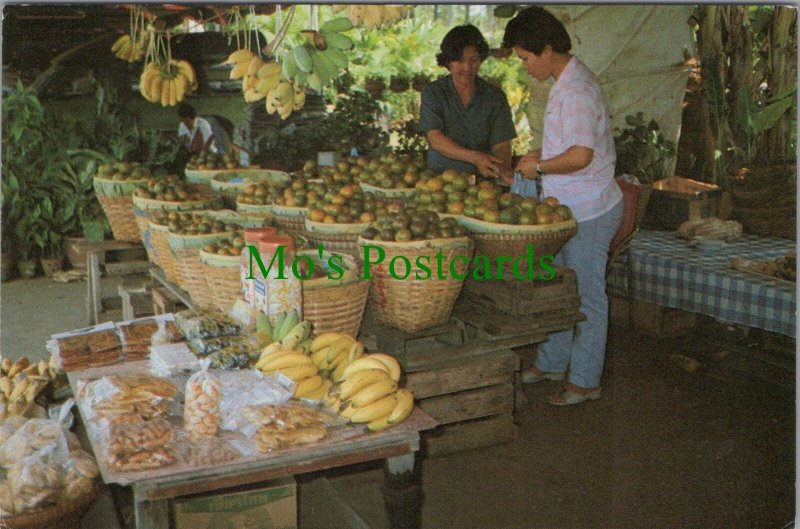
[402, 493]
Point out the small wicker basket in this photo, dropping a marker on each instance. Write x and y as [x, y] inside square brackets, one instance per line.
[65, 515]
[289, 218]
[337, 238]
[255, 210]
[223, 276]
[159, 237]
[412, 304]
[495, 240]
[339, 308]
[186, 250]
[116, 199]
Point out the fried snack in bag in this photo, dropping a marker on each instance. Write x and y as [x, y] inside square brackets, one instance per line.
[201, 415]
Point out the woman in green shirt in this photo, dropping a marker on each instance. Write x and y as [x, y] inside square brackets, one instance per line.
[467, 121]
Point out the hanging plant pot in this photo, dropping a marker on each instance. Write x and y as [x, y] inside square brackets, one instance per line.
[398, 84]
[375, 87]
[419, 82]
[27, 268]
[51, 265]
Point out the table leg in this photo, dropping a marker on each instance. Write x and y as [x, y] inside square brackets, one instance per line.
[402, 493]
[93, 302]
[151, 514]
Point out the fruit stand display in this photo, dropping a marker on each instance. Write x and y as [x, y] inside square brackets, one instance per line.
[202, 166]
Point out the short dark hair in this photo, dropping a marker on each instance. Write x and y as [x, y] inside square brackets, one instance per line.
[458, 39]
[185, 110]
[534, 28]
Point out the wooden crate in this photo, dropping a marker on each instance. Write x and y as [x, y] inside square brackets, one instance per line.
[165, 302]
[137, 301]
[521, 298]
[492, 325]
[469, 435]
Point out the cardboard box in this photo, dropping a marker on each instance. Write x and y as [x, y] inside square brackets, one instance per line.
[675, 200]
[273, 506]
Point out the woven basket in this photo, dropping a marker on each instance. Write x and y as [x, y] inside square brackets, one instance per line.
[397, 196]
[253, 210]
[142, 218]
[222, 185]
[495, 240]
[203, 176]
[116, 188]
[121, 217]
[186, 251]
[337, 308]
[65, 515]
[289, 218]
[414, 304]
[223, 276]
[159, 236]
[337, 238]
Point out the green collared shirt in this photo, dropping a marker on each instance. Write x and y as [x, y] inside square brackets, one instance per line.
[484, 123]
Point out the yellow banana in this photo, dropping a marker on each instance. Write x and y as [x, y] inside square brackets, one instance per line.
[186, 68]
[6, 364]
[338, 373]
[299, 372]
[254, 65]
[390, 362]
[320, 358]
[307, 385]
[360, 380]
[20, 386]
[405, 405]
[43, 369]
[154, 90]
[365, 362]
[288, 360]
[173, 92]
[240, 56]
[321, 392]
[356, 351]
[165, 92]
[239, 70]
[342, 344]
[373, 392]
[379, 424]
[346, 411]
[5, 386]
[119, 43]
[299, 97]
[377, 409]
[285, 110]
[325, 339]
[265, 86]
[180, 86]
[270, 349]
[18, 366]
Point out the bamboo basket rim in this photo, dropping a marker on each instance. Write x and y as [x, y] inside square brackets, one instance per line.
[388, 193]
[208, 258]
[110, 181]
[178, 241]
[153, 204]
[350, 228]
[289, 211]
[221, 178]
[482, 227]
[422, 244]
[202, 173]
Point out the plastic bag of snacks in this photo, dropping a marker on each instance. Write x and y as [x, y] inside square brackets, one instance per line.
[35, 481]
[247, 388]
[36, 436]
[80, 470]
[201, 409]
[137, 446]
[127, 398]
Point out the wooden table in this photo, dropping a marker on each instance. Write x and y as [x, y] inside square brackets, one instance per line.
[93, 250]
[153, 489]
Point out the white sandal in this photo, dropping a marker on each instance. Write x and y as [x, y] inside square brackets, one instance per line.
[529, 377]
[570, 398]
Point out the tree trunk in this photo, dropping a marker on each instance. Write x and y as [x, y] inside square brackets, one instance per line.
[782, 75]
[740, 42]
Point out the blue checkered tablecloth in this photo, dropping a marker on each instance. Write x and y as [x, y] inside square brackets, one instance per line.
[667, 271]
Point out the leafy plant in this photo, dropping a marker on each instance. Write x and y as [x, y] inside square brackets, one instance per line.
[642, 150]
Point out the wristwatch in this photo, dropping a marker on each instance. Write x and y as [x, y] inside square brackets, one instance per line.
[539, 168]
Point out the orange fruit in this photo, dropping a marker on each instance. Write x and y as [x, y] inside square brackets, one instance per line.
[553, 201]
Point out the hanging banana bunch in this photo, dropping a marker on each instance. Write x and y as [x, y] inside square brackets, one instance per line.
[132, 46]
[373, 16]
[320, 59]
[165, 80]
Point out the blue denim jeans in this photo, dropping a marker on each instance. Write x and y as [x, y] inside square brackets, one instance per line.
[583, 348]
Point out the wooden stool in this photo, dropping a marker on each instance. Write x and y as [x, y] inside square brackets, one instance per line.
[165, 302]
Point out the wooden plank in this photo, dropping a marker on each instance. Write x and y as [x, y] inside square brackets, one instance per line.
[496, 325]
[127, 268]
[349, 515]
[158, 274]
[471, 404]
[469, 435]
[470, 373]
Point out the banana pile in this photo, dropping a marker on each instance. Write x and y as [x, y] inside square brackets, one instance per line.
[373, 16]
[321, 58]
[288, 355]
[131, 49]
[262, 79]
[21, 382]
[167, 83]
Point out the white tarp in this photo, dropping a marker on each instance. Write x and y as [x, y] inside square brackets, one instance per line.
[637, 51]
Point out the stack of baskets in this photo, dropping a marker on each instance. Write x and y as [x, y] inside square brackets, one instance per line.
[116, 198]
[335, 305]
[229, 184]
[337, 238]
[156, 242]
[412, 304]
[186, 252]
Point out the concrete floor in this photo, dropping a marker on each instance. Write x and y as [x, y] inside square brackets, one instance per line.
[663, 448]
